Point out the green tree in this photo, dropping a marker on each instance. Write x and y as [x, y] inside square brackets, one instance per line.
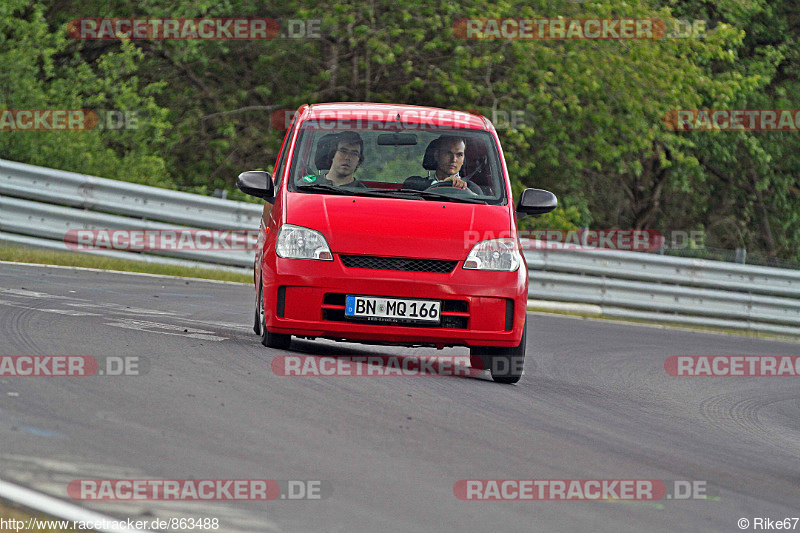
[41, 68]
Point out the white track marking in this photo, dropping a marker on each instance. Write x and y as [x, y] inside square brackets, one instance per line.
[165, 329]
[126, 273]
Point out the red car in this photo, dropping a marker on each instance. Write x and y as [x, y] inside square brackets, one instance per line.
[393, 224]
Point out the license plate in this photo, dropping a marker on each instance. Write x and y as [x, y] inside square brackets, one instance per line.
[392, 309]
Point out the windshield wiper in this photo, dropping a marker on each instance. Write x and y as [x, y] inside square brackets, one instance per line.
[431, 195]
[385, 193]
[394, 193]
[319, 187]
[351, 191]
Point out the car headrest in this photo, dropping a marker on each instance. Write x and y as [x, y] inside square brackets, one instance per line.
[428, 161]
[322, 159]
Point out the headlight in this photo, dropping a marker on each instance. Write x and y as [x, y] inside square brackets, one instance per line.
[494, 254]
[297, 242]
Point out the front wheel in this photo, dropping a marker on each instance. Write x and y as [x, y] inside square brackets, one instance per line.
[505, 364]
[268, 339]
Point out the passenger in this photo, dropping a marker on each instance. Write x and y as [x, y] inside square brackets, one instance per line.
[345, 157]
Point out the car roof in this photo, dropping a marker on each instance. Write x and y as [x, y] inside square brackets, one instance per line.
[388, 112]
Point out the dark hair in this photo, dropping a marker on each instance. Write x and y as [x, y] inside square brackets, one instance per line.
[347, 137]
[447, 139]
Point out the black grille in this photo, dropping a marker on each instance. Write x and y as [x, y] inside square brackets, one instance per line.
[398, 263]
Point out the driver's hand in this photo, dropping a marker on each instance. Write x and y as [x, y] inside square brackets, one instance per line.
[457, 182]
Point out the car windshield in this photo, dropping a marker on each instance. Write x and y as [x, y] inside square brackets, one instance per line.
[410, 164]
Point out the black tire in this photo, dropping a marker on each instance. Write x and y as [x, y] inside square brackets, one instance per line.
[505, 364]
[270, 340]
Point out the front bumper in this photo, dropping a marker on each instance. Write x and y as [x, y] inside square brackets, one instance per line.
[479, 308]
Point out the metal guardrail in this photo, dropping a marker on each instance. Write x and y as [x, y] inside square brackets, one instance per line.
[38, 206]
[645, 286]
[53, 222]
[122, 198]
[665, 269]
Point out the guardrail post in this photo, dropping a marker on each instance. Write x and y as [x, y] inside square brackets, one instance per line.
[741, 255]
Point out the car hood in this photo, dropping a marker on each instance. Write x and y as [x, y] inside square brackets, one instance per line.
[398, 228]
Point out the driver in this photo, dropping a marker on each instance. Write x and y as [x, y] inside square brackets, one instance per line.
[449, 156]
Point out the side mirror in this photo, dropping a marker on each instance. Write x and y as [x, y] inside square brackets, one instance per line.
[257, 183]
[536, 202]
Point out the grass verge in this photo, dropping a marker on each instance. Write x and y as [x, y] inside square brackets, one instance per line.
[49, 257]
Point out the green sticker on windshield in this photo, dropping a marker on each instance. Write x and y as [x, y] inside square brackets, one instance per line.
[311, 178]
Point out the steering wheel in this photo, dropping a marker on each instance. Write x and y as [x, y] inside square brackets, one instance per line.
[467, 192]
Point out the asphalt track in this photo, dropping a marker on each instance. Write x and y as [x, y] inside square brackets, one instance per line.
[595, 403]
